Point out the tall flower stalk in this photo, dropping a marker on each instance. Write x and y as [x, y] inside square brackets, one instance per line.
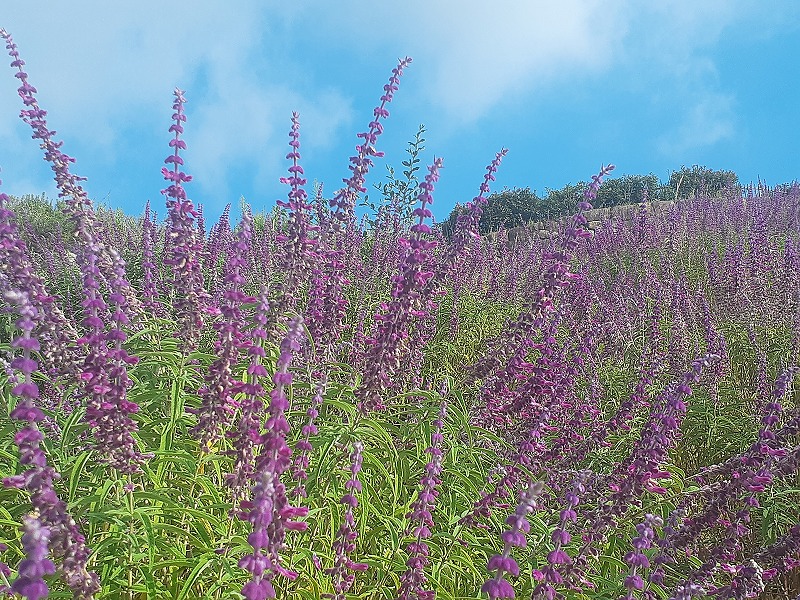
[409, 303]
[189, 297]
[268, 510]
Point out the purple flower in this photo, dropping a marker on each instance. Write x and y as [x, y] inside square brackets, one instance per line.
[466, 228]
[268, 510]
[51, 325]
[301, 458]
[344, 568]
[501, 564]
[297, 246]
[345, 200]
[184, 244]
[66, 541]
[217, 395]
[30, 583]
[413, 580]
[410, 301]
[327, 304]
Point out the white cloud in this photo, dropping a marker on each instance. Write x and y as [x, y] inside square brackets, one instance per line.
[704, 122]
[101, 70]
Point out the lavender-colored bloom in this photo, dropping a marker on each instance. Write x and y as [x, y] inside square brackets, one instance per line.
[344, 568]
[413, 580]
[301, 458]
[502, 564]
[345, 200]
[410, 301]
[558, 560]
[217, 395]
[30, 583]
[506, 353]
[246, 437]
[67, 544]
[327, 304]
[104, 381]
[636, 559]
[466, 228]
[18, 273]
[297, 247]
[184, 245]
[269, 511]
[78, 205]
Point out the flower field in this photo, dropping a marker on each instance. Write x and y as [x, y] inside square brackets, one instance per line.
[305, 404]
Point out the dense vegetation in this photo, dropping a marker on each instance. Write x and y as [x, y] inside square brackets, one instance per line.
[520, 206]
[298, 406]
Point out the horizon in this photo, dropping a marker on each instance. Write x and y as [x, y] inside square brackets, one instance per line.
[565, 89]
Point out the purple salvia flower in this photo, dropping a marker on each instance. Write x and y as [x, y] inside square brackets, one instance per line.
[558, 561]
[247, 435]
[67, 543]
[269, 511]
[466, 228]
[18, 273]
[327, 304]
[409, 303]
[344, 568]
[413, 580]
[506, 353]
[344, 201]
[104, 380]
[297, 245]
[503, 564]
[184, 246]
[30, 583]
[302, 457]
[221, 385]
[636, 559]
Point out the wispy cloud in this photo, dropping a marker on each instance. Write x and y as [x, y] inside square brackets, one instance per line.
[706, 121]
[101, 77]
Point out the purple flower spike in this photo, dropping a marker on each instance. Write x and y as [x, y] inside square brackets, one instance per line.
[184, 244]
[298, 253]
[498, 587]
[269, 511]
[411, 300]
[221, 386]
[344, 568]
[345, 200]
[466, 228]
[66, 541]
[413, 580]
[30, 583]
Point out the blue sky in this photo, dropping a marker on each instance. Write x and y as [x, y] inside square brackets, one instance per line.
[566, 86]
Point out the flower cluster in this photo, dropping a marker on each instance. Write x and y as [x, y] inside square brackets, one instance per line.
[297, 245]
[506, 353]
[345, 543]
[409, 302]
[65, 541]
[246, 436]
[302, 457]
[636, 559]
[217, 395]
[514, 537]
[327, 304]
[467, 222]
[413, 580]
[184, 246]
[344, 201]
[269, 510]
